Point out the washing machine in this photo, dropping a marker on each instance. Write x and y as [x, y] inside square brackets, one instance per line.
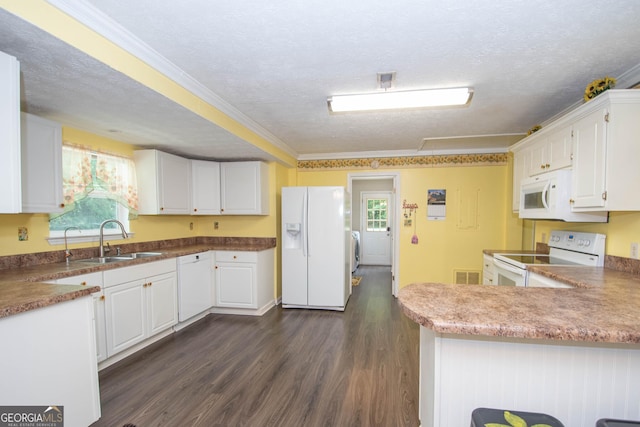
[355, 250]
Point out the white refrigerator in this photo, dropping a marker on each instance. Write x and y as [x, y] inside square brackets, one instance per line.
[316, 230]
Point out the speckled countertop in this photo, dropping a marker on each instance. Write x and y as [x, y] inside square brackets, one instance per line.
[22, 288]
[604, 306]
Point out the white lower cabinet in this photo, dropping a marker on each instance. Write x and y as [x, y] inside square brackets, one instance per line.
[140, 301]
[49, 356]
[244, 279]
[125, 314]
[487, 269]
[93, 279]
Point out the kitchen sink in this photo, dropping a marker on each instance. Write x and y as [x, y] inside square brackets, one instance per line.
[141, 254]
[105, 260]
[118, 258]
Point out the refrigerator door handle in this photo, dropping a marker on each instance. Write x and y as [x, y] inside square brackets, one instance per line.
[305, 228]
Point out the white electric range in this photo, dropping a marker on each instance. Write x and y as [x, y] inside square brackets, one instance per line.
[566, 248]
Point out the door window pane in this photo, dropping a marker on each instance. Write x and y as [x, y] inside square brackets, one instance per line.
[376, 214]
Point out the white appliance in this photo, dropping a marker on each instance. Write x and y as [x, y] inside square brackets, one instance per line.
[316, 247]
[548, 196]
[566, 248]
[194, 285]
[355, 250]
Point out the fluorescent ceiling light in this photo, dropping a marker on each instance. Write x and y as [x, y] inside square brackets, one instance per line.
[395, 100]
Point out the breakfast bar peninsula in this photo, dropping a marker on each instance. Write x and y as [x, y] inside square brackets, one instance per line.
[571, 353]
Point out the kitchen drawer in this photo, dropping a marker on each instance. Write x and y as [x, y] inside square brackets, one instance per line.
[136, 272]
[236, 256]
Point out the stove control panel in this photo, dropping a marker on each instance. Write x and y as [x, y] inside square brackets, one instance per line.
[591, 243]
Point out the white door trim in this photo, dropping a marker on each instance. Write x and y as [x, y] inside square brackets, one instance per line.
[395, 176]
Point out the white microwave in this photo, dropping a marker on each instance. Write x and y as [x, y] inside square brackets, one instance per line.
[548, 196]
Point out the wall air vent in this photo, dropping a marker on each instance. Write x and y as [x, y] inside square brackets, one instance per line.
[466, 277]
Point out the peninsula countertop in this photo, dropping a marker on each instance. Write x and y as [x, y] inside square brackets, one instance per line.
[22, 288]
[603, 306]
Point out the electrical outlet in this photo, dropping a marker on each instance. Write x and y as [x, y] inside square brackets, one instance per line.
[634, 250]
[216, 225]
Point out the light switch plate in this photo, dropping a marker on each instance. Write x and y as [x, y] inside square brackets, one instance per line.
[634, 250]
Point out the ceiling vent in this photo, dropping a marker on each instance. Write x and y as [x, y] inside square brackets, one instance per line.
[387, 80]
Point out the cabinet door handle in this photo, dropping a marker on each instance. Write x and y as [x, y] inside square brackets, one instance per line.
[571, 201]
[150, 283]
[83, 283]
[62, 205]
[102, 298]
[144, 285]
[216, 267]
[195, 209]
[547, 165]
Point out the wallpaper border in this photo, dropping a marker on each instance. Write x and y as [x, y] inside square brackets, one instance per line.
[491, 159]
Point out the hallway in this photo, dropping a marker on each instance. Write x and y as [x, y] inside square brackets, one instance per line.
[287, 368]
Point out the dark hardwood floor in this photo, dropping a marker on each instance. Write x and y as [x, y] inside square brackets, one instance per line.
[287, 368]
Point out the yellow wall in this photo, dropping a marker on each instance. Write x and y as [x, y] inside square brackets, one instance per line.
[622, 229]
[444, 246]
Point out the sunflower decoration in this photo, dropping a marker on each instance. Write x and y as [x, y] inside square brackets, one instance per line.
[534, 129]
[598, 86]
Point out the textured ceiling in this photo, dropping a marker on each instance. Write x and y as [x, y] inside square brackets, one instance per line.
[276, 63]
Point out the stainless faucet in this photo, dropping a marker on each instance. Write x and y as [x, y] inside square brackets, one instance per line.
[67, 254]
[124, 233]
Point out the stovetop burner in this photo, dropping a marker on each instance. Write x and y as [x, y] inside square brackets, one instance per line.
[538, 259]
[566, 248]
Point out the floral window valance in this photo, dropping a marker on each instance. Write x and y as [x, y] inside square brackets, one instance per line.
[85, 172]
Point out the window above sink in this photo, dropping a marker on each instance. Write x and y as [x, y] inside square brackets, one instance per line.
[97, 186]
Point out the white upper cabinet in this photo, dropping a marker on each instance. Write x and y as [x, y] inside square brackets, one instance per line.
[606, 153]
[10, 191]
[551, 152]
[521, 166]
[559, 149]
[588, 184]
[164, 183]
[543, 151]
[599, 141]
[41, 165]
[205, 187]
[244, 188]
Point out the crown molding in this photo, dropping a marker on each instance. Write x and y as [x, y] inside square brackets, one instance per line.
[94, 19]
